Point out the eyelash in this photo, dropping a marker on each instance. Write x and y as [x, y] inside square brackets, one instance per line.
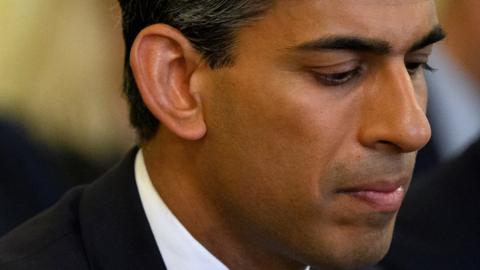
[414, 70]
[336, 79]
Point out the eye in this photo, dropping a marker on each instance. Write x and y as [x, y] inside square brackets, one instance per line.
[334, 79]
[414, 67]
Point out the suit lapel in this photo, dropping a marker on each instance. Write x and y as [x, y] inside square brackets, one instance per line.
[114, 227]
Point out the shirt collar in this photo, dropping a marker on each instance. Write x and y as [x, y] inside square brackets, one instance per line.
[179, 249]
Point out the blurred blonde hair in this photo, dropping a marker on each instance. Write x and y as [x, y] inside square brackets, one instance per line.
[61, 64]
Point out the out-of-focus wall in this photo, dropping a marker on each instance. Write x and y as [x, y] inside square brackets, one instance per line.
[461, 20]
[61, 73]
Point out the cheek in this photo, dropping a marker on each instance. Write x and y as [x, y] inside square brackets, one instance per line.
[276, 139]
[273, 151]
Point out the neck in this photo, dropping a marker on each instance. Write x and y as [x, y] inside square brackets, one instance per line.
[178, 175]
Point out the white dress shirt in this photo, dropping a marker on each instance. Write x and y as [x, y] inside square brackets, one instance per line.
[180, 251]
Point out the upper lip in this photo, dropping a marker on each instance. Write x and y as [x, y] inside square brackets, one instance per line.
[385, 185]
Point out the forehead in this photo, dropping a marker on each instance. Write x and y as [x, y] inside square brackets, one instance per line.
[400, 22]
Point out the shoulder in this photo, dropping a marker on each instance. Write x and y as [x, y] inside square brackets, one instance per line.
[77, 232]
[98, 226]
[52, 240]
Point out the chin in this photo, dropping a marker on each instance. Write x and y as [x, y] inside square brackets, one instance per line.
[354, 249]
[353, 261]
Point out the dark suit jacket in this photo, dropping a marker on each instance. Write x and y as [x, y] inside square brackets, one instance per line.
[438, 226]
[99, 226]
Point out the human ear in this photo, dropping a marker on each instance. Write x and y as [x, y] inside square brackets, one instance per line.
[163, 61]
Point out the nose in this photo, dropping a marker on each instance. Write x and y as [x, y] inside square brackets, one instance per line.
[393, 111]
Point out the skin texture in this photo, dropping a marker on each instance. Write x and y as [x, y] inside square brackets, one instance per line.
[251, 158]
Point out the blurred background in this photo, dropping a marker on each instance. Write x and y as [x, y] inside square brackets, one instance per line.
[63, 119]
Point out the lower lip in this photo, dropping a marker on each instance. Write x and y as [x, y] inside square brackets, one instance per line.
[379, 200]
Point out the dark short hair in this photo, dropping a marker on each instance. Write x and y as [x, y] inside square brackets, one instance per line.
[210, 25]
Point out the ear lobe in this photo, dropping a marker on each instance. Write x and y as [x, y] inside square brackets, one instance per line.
[163, 61]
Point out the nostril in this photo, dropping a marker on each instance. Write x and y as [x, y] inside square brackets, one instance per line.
[388, 146]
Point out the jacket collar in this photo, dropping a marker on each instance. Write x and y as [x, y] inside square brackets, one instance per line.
[114, 227]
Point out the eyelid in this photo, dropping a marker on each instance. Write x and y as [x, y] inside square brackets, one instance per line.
[337, 67]
[338, 78]
[417, 57]
[427, 50]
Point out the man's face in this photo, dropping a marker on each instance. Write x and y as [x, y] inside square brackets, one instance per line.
[312, 134]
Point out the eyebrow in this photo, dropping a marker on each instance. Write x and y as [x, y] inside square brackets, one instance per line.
[378, 46]
[437, 34]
